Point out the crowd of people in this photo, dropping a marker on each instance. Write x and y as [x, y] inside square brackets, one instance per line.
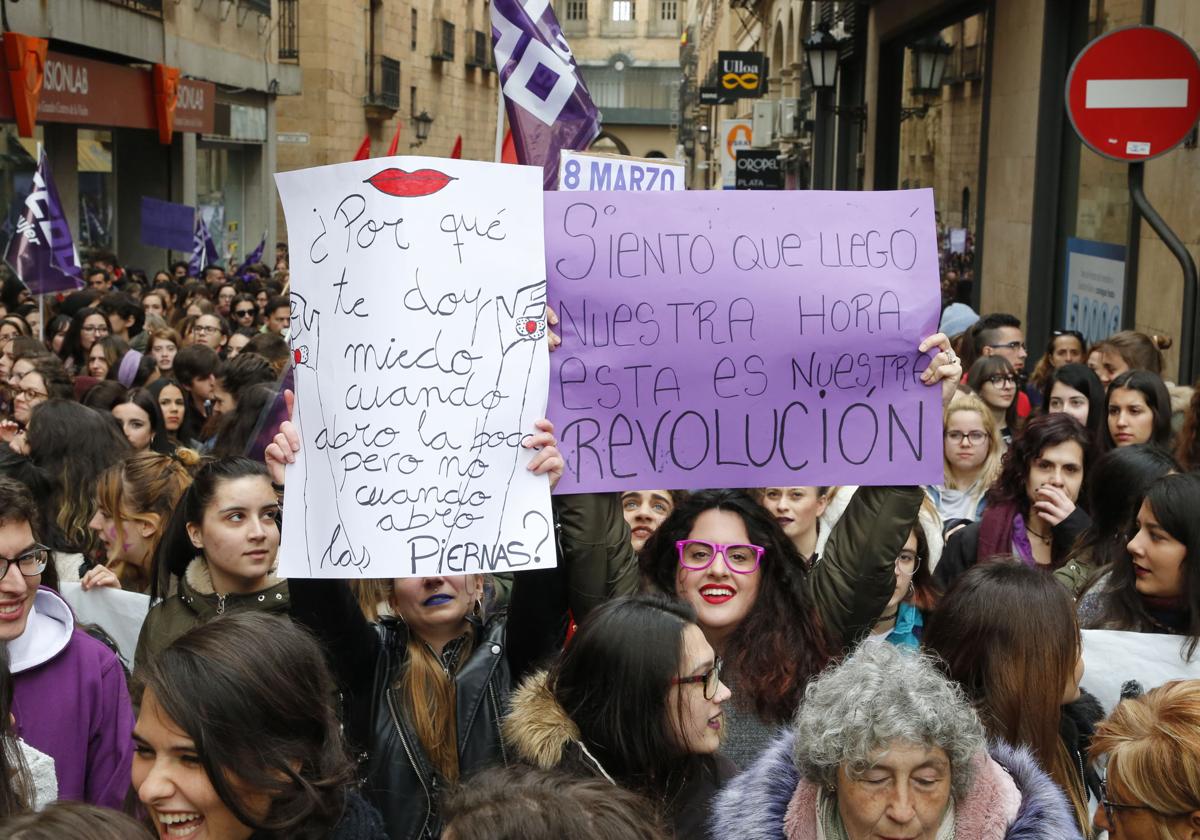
[807, 662]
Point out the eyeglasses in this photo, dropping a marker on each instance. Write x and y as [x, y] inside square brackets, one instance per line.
[93, 328]
[205, 330]
[245, 313]
[30, 563]
[30, 394]
[711, 679]
[1110, 808]
[973, 438]
[907, 562]
[1002, 379]
[698, 555]
[1009, 345]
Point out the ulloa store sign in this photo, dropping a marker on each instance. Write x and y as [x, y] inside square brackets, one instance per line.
[741, 75]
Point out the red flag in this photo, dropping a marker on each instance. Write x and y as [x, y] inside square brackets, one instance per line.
[395, 139]
[364, 149]
[457, 153]
[508, 153]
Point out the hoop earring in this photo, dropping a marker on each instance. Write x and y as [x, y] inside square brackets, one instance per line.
[478, 611]
[912, 590]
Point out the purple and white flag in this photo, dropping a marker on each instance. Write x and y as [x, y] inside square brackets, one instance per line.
[41, 250]
[549, 107]
[204, 250]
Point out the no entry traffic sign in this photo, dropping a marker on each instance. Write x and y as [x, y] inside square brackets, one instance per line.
[1134, 94]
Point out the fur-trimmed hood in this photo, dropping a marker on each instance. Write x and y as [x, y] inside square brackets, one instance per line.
[541, 733]
[755, 805]
[197, 592]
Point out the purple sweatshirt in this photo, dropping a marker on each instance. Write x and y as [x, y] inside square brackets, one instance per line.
[70, 702]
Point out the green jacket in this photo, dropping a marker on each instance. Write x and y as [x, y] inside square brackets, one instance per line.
[196, 602]
[855, 575]
[1077, 573]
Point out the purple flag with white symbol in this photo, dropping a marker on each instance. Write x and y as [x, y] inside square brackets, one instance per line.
[41, 250]
[204, 250]
[549, 107]
[253, 257]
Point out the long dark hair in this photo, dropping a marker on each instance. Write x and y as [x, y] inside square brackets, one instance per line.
[16, 791]
[72, 349]
[984, 369]
[230, 685]
[1084, 380]
[1154, 391]
[73, 444]
[635, 643]
[1116, 484]
[236, 430]
[148, 402]
[1007, 634]
[175, 549]
[1175, 499]
[1038, 435]
[780, 644]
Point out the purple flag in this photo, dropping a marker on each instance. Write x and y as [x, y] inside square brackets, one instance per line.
[41, 251]
[549, 107]
[204, 250]
[254, 256]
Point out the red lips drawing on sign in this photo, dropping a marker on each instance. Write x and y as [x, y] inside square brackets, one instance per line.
[397, 182]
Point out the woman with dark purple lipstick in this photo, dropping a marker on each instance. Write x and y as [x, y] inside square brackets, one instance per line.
[426, 688]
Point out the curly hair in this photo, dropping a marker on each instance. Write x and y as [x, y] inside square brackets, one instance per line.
[878, 695]
[1040, 434]
[781, 643]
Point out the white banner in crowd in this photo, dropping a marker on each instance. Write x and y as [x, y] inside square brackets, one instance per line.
[1112, 658]
[418, 290]
[118, 613]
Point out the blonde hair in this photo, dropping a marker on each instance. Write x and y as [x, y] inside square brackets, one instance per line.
[1153, 747]
[145, 488]
[990, 469]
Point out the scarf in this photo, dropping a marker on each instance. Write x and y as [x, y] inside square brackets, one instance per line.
[830, 827]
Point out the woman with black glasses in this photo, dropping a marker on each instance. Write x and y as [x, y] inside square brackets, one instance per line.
[994, 379]
[636, 698]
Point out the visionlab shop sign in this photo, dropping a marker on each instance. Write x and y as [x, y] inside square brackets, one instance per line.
[758, 169]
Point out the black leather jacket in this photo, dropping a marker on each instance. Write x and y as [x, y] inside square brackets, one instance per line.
[368, 659]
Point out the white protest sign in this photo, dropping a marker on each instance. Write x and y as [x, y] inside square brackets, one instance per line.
[1114, 657]
[118, 613]
[418, 292]
[596, 171]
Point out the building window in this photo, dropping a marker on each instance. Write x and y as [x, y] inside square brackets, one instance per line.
[576, 10]
[412, 100]
[668, 10]
[622, 11]
[412, 41]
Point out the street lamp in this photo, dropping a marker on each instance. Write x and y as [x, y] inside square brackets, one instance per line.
[821, 51]
[929, 63]
[422, 121]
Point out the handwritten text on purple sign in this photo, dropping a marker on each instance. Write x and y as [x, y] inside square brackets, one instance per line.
[715, 339]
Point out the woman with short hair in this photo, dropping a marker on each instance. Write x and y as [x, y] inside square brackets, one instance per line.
[883, 745]
[1150, 746]
[994, 379]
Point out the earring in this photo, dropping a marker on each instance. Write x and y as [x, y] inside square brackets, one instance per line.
[478, 606]
[912, 590]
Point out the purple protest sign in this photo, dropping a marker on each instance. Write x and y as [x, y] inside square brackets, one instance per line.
[718, 339]
[166, 224]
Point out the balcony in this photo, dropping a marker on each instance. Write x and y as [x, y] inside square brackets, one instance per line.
[289, 30]
[444, 48]
[150, 7]
[383, 93]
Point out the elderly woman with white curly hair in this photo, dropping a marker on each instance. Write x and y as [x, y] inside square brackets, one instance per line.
[884, 747]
